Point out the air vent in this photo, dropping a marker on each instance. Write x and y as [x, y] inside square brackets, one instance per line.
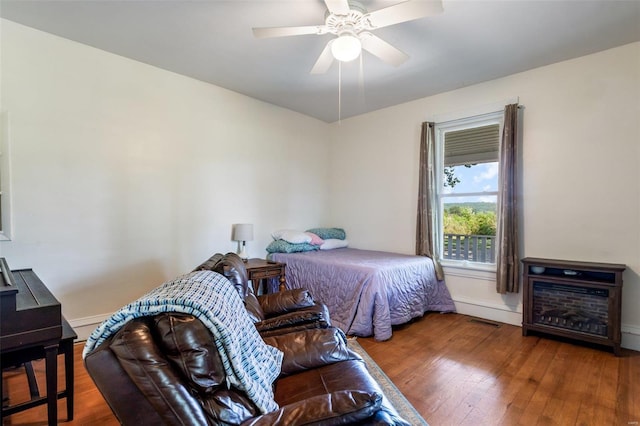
[485, 322]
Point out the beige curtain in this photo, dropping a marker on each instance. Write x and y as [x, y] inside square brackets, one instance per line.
[508, 261]
[426, 191]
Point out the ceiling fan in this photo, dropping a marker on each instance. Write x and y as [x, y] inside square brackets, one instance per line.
[352, 24]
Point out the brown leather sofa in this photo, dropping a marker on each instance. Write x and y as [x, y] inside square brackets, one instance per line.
[165, 369]
[276, 313]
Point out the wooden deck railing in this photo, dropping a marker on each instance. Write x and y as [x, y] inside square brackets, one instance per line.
[474, 248]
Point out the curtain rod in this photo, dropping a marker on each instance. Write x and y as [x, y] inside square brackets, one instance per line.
[458, 117]
[474, 111]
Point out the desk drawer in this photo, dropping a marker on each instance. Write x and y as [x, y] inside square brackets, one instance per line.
[269, 273]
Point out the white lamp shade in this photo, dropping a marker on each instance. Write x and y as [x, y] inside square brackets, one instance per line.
[242, 232]
[346, 48]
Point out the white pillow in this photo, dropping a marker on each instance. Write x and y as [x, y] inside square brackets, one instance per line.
[332, 243]
[291, 236]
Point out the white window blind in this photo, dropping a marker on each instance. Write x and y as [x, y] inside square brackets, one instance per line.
[472, 146]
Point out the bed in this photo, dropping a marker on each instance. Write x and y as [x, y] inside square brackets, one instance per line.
[368, 291]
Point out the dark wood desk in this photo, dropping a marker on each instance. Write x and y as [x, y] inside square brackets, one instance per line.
[49, 352]
[260, 270]
[31, 328]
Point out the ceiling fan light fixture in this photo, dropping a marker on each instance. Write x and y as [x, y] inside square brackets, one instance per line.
[346, 48]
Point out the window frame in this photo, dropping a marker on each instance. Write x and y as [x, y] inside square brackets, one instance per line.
[495, 117]
[5, 178]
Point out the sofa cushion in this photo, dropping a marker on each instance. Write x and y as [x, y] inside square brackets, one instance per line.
[121, 393]
[345, 375]
[190, 347]
[285, 301]
[210, 263]
[329, 409]
[312, 348]
[350, 374]
[229, 407]
[234, 269]
[253, 307]
[145, 364]
[316, 316]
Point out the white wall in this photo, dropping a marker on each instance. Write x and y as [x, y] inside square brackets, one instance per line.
[125, 175]
[581, 173]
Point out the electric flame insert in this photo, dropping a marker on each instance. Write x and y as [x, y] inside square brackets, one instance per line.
[576, 300]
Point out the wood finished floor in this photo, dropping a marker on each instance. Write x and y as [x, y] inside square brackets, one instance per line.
[455, 372]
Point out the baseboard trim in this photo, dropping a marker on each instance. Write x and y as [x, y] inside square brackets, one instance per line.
[630, 333]
[493, 312]
[84, 326]
[630, 337]
[490, 311]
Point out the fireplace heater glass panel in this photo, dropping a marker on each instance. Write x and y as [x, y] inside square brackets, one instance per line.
[575, 308]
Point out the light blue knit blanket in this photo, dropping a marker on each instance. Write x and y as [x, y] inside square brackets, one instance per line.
[250, 364]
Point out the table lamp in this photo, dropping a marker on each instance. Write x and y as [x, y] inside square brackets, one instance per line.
[242, 232]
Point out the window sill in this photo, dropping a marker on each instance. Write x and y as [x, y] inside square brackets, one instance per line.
[469, 269]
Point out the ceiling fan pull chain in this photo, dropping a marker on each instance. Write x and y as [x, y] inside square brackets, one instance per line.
[361, 80]
[339, 92]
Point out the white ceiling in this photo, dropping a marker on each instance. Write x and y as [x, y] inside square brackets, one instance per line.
[210, 40]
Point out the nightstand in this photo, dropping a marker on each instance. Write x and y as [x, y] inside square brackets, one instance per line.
[260, 270]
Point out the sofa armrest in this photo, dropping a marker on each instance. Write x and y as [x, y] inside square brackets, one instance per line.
[304, 350]
[135, 361]
[108, 375]
[285, 301]
[316, 316]
[337, 408]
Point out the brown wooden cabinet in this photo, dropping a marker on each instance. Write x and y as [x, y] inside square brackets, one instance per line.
[260, 270]
[577, 300]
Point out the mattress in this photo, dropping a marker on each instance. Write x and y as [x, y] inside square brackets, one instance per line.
[368, 291]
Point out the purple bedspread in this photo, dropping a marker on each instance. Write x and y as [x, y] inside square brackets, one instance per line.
[368, 291]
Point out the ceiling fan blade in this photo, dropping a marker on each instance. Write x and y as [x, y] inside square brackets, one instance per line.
[287, 31]
[337, 7]
[402, 12]
[324, 60]
[383, 50]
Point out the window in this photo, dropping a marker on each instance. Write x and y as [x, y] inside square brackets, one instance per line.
[467, 188]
